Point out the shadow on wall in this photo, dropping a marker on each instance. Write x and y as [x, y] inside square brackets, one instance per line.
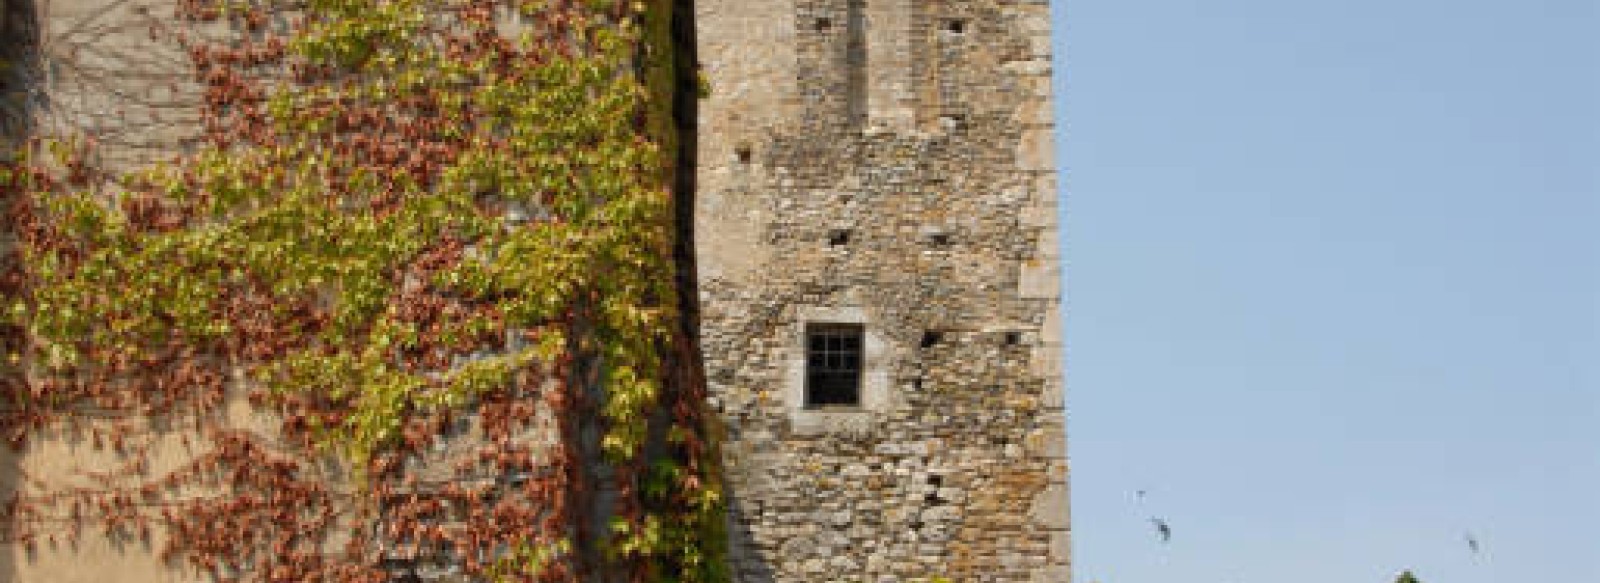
[8, 488]
[18, 66]
[746, 560]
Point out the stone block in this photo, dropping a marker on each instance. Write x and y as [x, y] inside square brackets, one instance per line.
[1037, 149]
[1047, 443]
[1038, 216]
[1050, 331]
[1039, 279]
[1061, 544]
[1049, 244]
[1050, 508]
[1059, 573]
[1054, 394]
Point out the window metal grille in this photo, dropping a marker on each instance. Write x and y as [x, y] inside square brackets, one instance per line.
[833, 365]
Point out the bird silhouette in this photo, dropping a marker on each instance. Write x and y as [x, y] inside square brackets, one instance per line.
[1163, 529]
[1472, 544]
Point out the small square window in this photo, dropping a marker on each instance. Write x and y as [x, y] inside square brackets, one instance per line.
[823, 24]
[839, 237]
[955, 26]
[833, 365]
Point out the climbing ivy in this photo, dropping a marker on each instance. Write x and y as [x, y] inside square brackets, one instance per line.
[402, 214]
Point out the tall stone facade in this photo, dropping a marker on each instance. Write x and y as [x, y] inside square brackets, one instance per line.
[118, 73]
[884, 168]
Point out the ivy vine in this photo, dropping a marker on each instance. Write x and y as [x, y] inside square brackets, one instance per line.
[404, 214]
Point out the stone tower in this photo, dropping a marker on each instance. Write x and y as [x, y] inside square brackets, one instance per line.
[879, 278]
[880, 287]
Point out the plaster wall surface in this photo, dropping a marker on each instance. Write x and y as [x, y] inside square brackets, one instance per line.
[114, 71]
[98, 68]
[886, 163]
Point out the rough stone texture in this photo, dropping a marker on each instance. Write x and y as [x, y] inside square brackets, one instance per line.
[922, 128]
[113, 71]
[62, 459]
[93, 68]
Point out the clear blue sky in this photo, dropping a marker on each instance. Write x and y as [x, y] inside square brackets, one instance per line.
[1333, 277]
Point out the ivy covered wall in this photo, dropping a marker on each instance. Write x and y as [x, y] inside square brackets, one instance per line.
[408, 295]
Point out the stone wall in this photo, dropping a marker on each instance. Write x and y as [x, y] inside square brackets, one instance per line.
[93, 68]
[114, 72]
[921, 128]
[887, 163]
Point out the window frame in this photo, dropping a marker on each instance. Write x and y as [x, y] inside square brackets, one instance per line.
[877, 394]
[837, 350]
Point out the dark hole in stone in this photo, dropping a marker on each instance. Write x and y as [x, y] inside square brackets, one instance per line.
[933, 500]
[401, 570]
[824, 24]
[940, 239]
[916, 384]
[1013, 338]
[838, 237]
[916, 525]
[936, 481]
[743, 154]
[955, 26]
[394, 563]
[931, 338]
[455, 427]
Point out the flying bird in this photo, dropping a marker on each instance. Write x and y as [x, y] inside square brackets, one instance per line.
[1163, 529]
[1472, 544]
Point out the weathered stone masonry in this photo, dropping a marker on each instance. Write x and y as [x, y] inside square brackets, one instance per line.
[885, 163]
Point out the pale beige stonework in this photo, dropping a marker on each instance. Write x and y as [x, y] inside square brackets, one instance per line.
[66, 457]
[937, 156]
[933, 148]
[108, 72]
